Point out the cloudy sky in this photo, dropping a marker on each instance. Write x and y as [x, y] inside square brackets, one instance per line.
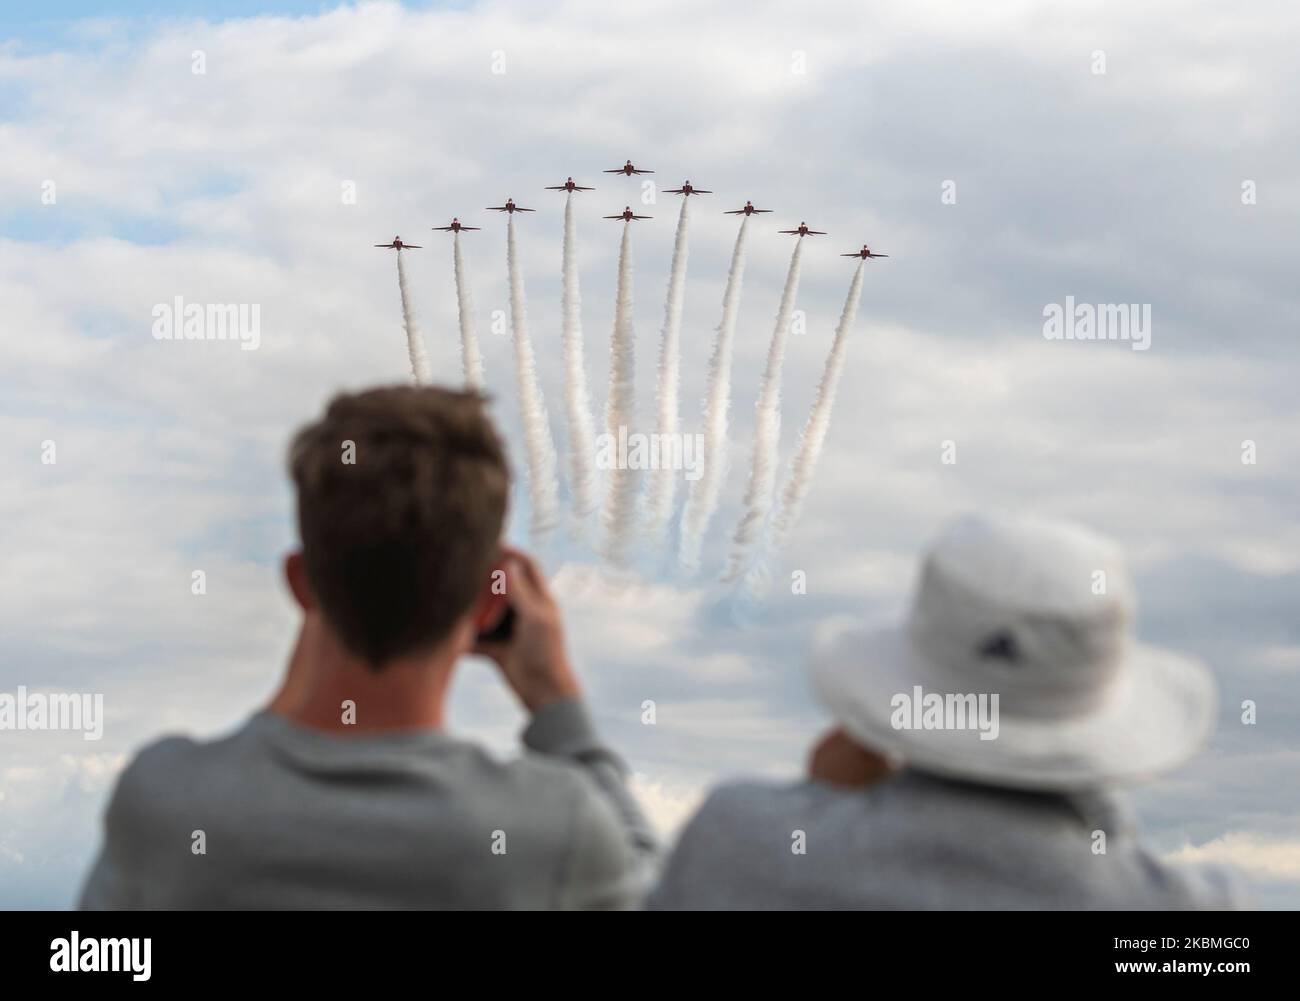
[1122, 186]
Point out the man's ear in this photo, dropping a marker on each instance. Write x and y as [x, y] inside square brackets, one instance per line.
[295, 574]
[492, 601]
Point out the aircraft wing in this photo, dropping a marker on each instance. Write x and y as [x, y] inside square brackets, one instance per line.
[673, 191]
[619, 216]
[616, 170]
[446, 229]
[518, 209]
[815, 232]
[700, 191]
[579, 187]
[557, 187]
[643, 217]
[793, 232]
[643, 171]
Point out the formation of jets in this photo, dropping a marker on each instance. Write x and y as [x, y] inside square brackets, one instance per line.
[686, 189]
[456, 227]
[627, 215]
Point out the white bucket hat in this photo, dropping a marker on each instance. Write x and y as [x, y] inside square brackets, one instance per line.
[1039, 614]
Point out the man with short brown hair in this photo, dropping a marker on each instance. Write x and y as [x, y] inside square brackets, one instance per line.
[347, 792]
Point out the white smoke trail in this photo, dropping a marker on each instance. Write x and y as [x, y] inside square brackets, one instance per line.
[582, 432]
[804, 464]
[620, 411]
[662, 482]
[702, 501]
[539, 449]
[414, 342]
[471, 359]
[767, 431]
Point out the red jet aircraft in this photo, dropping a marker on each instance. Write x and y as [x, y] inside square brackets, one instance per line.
[803, 230]
[628, 169]
[568, 186]
[397, 244]
[627, 215]
[509, 206]
[864, 253]
[686, 189]
[455, 227]
[747, 210]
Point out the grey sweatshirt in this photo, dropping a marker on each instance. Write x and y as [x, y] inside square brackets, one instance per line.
[293, 818]
[917, 842]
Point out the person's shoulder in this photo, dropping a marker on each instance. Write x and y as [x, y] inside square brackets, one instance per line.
[543, 776]
[743, 808]
[557, 808]
[525, 784]
[769, 812]
[170, 753]
[169, 767]
[152, 782]
[158, 762]
[750, 796]
[718, 861]
[740, 795]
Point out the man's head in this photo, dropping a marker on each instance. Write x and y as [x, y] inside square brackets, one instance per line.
[402, 497]
[1018, 666]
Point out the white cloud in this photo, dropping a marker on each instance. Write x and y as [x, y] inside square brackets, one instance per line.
[666, 808]
[620, 623]
[1255, 854]
[48, 827]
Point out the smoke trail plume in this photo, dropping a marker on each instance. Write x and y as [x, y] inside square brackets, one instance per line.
[471, 359]
[414, 342]
[804, 464]
[620, 411]
[539, 449]
[662, 482]
[582, 432]
[702, 501]
[767, 431]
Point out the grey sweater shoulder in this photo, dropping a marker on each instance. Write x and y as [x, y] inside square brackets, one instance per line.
[278, 816]
[916, 842]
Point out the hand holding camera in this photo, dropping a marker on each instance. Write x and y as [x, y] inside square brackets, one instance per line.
[527, 642]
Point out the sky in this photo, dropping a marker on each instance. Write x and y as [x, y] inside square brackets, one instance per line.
[1122, 186]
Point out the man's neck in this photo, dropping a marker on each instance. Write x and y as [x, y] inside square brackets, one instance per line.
[327, 688]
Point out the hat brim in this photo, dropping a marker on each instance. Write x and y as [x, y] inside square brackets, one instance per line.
[1158, 714]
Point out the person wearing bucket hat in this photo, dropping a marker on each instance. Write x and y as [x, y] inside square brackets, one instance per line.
[979, 748]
